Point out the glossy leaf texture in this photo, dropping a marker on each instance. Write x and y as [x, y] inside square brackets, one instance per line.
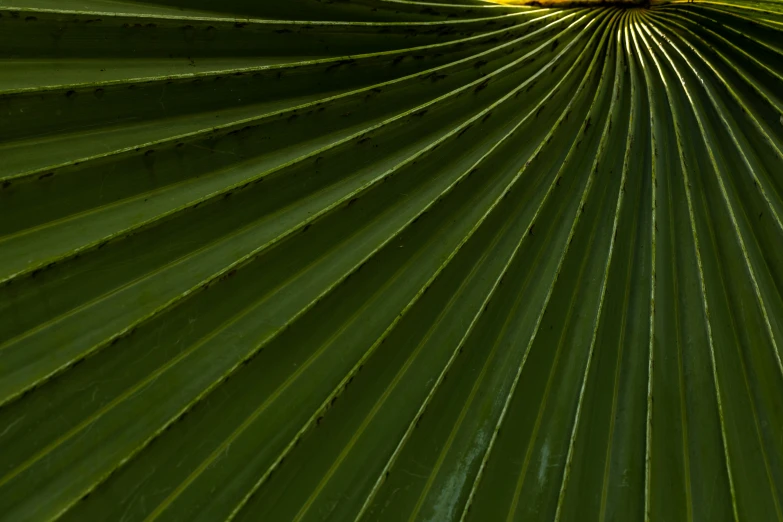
[390, 260]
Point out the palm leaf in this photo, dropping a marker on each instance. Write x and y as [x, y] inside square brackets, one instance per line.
[391, 260]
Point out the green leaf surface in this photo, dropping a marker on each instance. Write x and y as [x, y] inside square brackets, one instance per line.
[391, 260]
